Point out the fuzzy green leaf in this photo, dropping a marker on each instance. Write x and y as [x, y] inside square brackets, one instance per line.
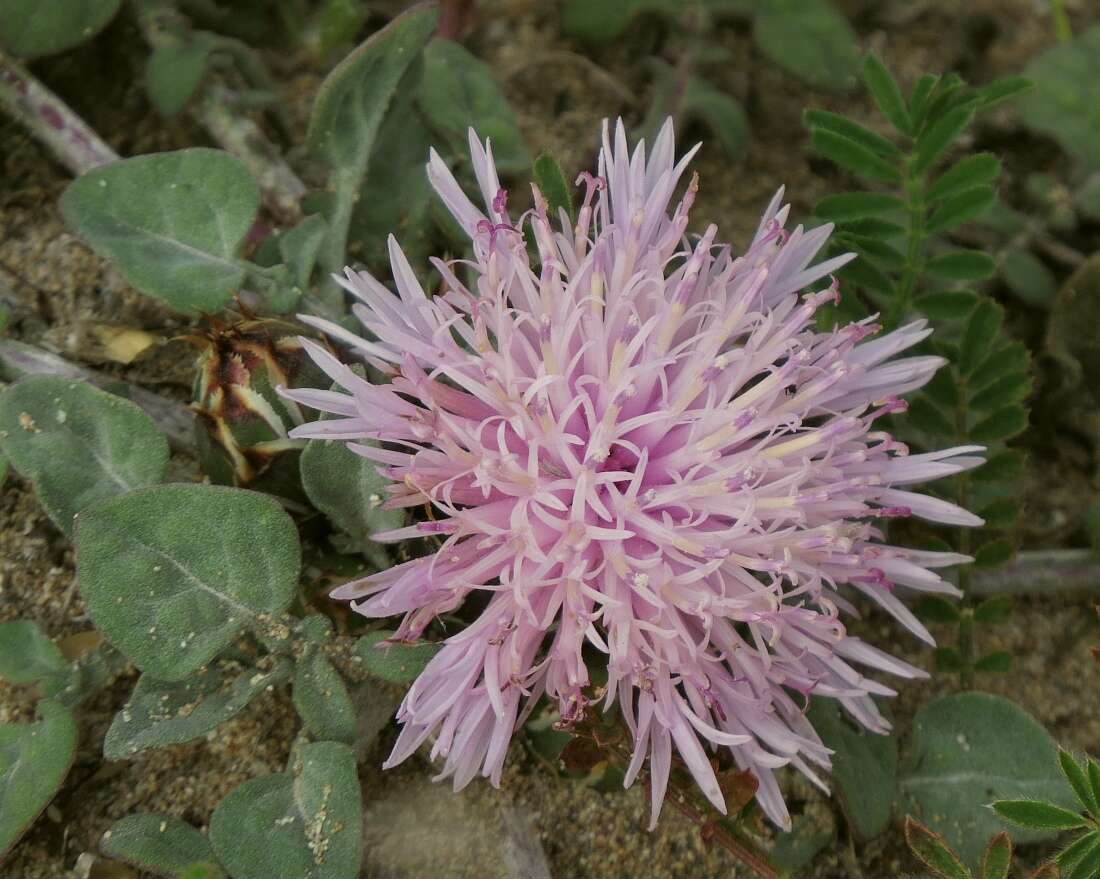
[162, 713]
[321, 698]
[27, 654]
[34, 760]
[161, 844]
[1001, 425]
[856, 205]
[395, 662]
[1038, 815]
[886, 94]
[811, 39]
[864, 767]
[1028, 277]
[933, 851]
[1063, 103]
[171, 574]
[457, 91]
[948, 304]
[550, 179]
[1069, 857]
[720, 111]
[965, 174]
[997, 860]
[960, 208]
[971, 748]
[30, 28]
[918, 98]
[172, 223]
[78, 444]
[1077, 776]
[303, 823]
[962, 265]
[175, 69]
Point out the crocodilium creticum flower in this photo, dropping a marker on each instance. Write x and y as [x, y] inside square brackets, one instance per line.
[640, 440]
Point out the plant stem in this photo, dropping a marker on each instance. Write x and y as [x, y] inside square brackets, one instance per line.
[1062, 29]
[914, 186]
[50, 120]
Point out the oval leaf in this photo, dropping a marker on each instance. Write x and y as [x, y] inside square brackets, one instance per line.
[969, 749]
[171, 222]
[27, 654]
[396, 662]
[30, 28]
[171, 574]
[162, 713]
[34, 760]
[1038, 815]
[321, 699]
[158, 843]
[302, 826]
[811, 40]
[78, 444]
[933, 851]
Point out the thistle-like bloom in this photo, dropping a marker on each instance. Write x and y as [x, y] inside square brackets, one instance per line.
[639, 440]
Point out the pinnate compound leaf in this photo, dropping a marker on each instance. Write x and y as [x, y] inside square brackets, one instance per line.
[995, 610]
[78, 444]
[321, 698]
[172, 223]
[846, 206]
[1038, 815]
[935, 609]
[171, 574]
[1002, 425]
[161, 844]
[1004, 466]
[34, 760]
[885, 91]
[933, 851]
[962, 265]
[1011, 388]
[864, 767]
[998, 662]
[304, 823]
[963, 175]
[948, 304]
[458, 91]
[842, 126]
[811, 40]
[27, 654]
[161, 713]
[1011, 358]
[1004, 90]
[960, 208]
[396, 662]
[30, 28]
[939, 136]
[981, 331]
[1077, 776]
[969, 749]
[853, 156]
[997, 860]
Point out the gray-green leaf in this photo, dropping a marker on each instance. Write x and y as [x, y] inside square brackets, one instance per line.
[78, 444]
[811, 40]
[457, 91]
[29, 28]
[34, 760]
[159, 843]
[175, 70]
[321, 698]
[27, 654]
[171, 222]
[970, 749]
[171, 574]
[397, 663]
[302, 826]
[162, 713]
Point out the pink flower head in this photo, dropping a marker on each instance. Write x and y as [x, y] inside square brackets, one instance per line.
[638, 440]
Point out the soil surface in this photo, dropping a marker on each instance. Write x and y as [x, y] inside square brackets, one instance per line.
[56, 288]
